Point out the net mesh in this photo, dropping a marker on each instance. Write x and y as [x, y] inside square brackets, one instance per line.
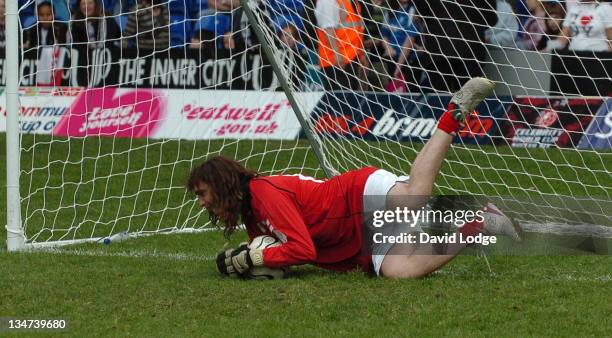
[389, 72]
[120, 100]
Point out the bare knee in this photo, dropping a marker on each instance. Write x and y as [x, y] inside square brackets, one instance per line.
[407, 194]
[402, 267]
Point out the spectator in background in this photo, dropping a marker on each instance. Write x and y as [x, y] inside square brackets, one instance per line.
[401, 32]
[288, 28]
[90, 26]
[2, 25]
[453, 39]
[27, 11]
[213, 31]
[535, 26]
[286, 18]
[377, 48]
[588, 26]
[148, 26]
[214, 27]
[340, 35]
[373, 15]
[47, 31]
[505, 32]
[308, 34]
[45, 37]
[111, 6]
[554, 22]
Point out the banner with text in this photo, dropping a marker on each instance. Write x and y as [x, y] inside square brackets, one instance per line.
[194, 114]
[162, 114]
[41, 108]
[376, 116]
[233, 114]
[543, 122]
[185, 69]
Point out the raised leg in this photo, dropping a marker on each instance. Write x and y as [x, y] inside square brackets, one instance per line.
[418, 260]
[426, 166]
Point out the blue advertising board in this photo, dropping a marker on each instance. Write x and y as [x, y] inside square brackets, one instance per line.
[407, 117]
[599, 133]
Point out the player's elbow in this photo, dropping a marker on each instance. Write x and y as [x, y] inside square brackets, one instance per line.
[308, 253]
[312, 253]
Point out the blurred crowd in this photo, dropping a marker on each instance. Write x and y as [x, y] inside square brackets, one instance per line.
[392, 43]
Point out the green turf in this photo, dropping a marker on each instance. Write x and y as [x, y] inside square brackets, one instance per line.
[166, 285]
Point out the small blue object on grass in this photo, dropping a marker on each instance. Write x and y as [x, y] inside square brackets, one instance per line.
[118, 237]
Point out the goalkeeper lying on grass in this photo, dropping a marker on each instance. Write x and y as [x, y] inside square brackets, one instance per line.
[327, 223]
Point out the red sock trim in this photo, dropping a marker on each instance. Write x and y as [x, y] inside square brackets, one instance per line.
[447, 122]
[471, 229]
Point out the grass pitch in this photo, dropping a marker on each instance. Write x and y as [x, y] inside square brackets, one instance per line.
[166, 285]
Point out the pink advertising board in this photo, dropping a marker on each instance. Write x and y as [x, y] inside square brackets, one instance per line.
[114, 112]
[159, 113]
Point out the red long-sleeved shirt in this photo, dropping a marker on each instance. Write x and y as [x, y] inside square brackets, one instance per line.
[318, 222]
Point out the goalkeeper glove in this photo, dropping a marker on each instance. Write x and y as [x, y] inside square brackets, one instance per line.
[239, 261]
[221, 267]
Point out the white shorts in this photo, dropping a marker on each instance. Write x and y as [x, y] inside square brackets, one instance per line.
[378, 184]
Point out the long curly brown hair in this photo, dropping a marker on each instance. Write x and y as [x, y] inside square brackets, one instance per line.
[229, 181]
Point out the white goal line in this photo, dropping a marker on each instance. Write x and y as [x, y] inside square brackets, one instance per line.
[42, 245]
[101, 252]
[202, 258]
[586, 230]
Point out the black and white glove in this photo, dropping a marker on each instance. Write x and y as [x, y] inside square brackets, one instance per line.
[239, 261]
[221, 267]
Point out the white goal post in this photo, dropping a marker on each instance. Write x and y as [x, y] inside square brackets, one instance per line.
[15, 236]
[101, 134]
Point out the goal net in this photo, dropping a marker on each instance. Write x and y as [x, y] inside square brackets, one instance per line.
[539, 147]
[120, 99]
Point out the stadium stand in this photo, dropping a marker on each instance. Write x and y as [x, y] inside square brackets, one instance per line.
[219, 25]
